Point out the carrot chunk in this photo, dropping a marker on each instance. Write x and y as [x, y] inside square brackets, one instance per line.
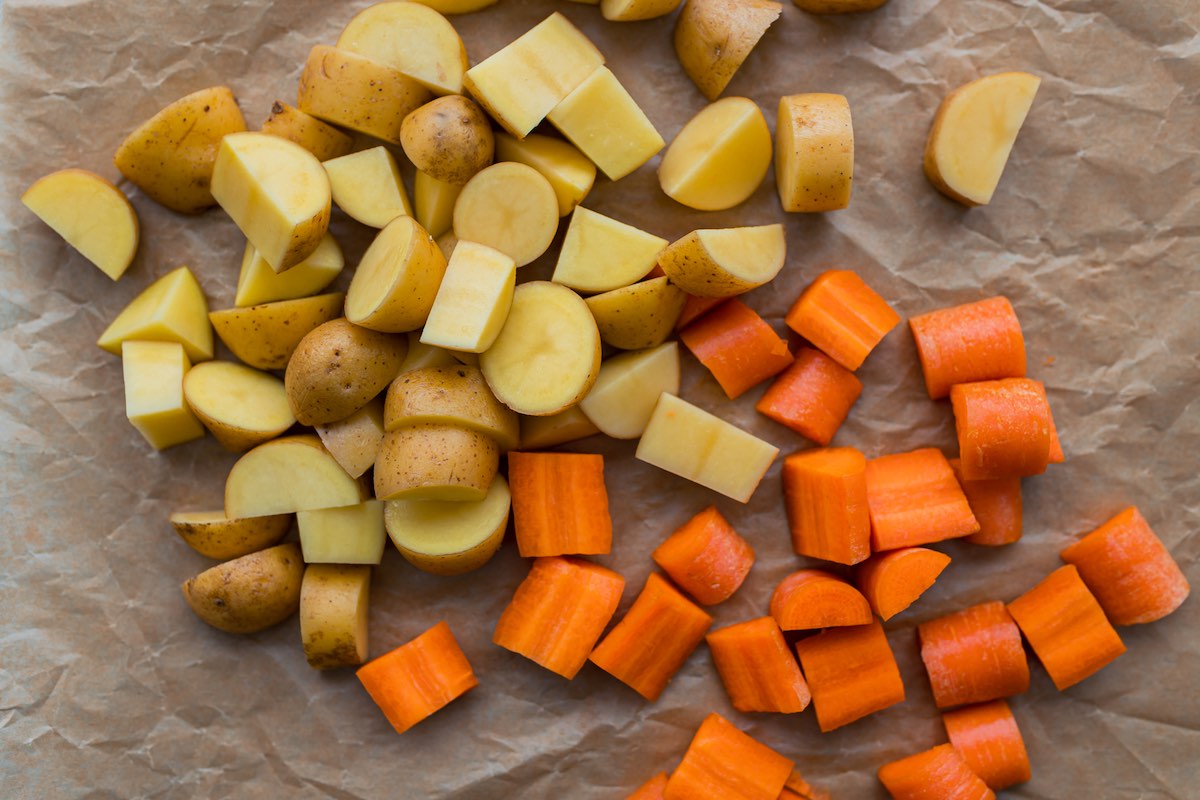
[842, 317]
[979, 341]
[758, 670]
[812, 397]
[1127, 568]
[893, 581]
[988, 739]
[1003, 428]
[974, 655]
[696, 307]
[825, 494]
[996, 505]
[937, 774]
[722, 763]
[737, 346]
[706, 557]
[652, 789]
[812, 598]
[797, 788]
[915, 499]
[851, 673]
[560, 504]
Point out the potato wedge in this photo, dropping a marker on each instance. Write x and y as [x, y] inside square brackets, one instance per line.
[368, 187]
[450, 538]
[258, 283]
[814, 143]
[323, 141]
[539, 433]
[265, 336]
[337, 368]
[346, 535]
[452, 395]
[352, 91]
[636, 10]
[154, 403]
[719, 157]
[354, 441]
[435, 462]
[411, 38]
[90, 214]
[600, 254]
[248, 594]
[241, 406]
[838, 6]
[333, 615]
[628, 388]
[570, 172]
[638, 316]
[714, 37]
[434, 203]
[397, 279]
[449, 138]
[723, 262]
[213, 535]
[172, 309]
[473, 301]
[292, 473]
[509, 207]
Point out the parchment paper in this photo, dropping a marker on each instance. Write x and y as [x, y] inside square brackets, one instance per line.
[111, 688]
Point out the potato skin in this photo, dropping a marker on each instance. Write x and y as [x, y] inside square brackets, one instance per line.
[455, 394]
[449, 139]
[251, 593]
[230, 538]
[714, 37]
[435, 462]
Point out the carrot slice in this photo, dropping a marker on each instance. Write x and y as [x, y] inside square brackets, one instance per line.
[851, 672]
[696, 307]
[996, 505]
[1003, 428]
[706, 557]
[812, 397]
[1066, 627]
[979, 341]
[812, 598]
[737, 346]
[988, 739]
[842, 317]
[418, 678]
[560, 504]
[797, 788]
[915, 499]
[974, 655]
[893, 581]
[825, 494]
[558, 613]
[652, 789]
[650, 643]
[722, 763]
[1127, 568]
[757, 668]
[937, 774]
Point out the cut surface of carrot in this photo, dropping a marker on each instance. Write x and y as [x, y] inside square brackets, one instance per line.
[558, 613]
[418, 678]
[696, 307]
[974, 655]
[1129, 570]
[1003, 428]
[979, 341]
[654, 638]
[842, 317]
[937, 774]
[812, 598]
[737, 346]
[914, 499]
[757, 668]
[797, 788]
[560, 504]
[825, 494]
[851, 673]
[996, 505]
[723, 763]
[652, 789]
[1066, 627]
[893, 581]
[988, 739]
[706, 557]
[813, 396]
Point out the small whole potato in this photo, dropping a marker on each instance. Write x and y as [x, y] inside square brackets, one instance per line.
[448, 139]
[250, 593]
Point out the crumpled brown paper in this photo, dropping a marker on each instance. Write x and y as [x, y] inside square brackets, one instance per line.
[111, 688]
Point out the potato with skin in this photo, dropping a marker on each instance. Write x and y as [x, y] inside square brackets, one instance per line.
[212, 534]
[90, 214]
[457, 6]
[435, 462]
[411, 38]
[454, 395]
[258, 283]
[323, 141]
[352, 91]
[636, 10]
[265, 336]
[638, 316]
[397, 279]
[354, 441]
[333, 615]
[723, 262]
[538, 433]
[450, 538]
[248, 594]
[814, 143]
[292, 473]
[241, 406]
[838, 6]
[714, 37]
[449, 138]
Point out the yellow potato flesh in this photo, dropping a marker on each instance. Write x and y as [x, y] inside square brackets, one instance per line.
[90, 214]
[814, 162]
[266, 335]
[333, 615]
[294, 473]
[354, 92]
[450, 538]
[719, 158]
[473, 300]
[628, 388]
[509, 207]
[600, 254]
[241, 406]
[411, 38]
[722, 262]
[397, 279]
[457, 6]
[368, 187]
[635, 10]
[638, 316]
[424, 355]
[354, 441]
[172, 309]
[154, 402]
[347, 535]
[258, 283]
[570, 172]
[434, 201]
[538, 433]
[323, 141]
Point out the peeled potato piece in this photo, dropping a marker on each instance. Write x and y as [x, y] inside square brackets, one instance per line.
[212, 534]
[714, 37]
[434, 203]
[266, 335]
[473, 300]
[814, 144]
[258, 283]
[368, 187]
[354, 441]
[570, 172]
[450, 538]
[351, 90]
[90, 214]
[397, 280]
[241, 406]
[154, 375]
[293, 473]
[638, 316]
[600, 253]
[411, 38]
[333, 615]
[345, 535]
[435, 462]
[628, 388]
[172, 309]
[719, 157]
[510, 207]
[248, 594]
[723, 262]
[451, 395]
[323, 141]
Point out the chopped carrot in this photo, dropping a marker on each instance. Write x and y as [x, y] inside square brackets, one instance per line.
[1056, 452]
[1066, 627]
[758, 670]
[418, 678]
[650, 643]
[652, 789]
[559, 612]
[893, 581]
[842, 317]
[974, 655]
[812, 598]
[996, 504]
[1003, 428]
[979, 341]
[722, 763]
[825, 494]
[851, 672]
[937, 774]
[915, 499]
[560, 504]
[1127, 568]
[797, 788]
[696, 307]
[988, 739]
[737, 346]
[706, 557]
[812, 397]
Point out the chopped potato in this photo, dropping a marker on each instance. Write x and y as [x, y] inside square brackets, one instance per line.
[570, 172]
[368, 187]
[90, 214]
[397, 279]
[509, 207]
[292, 473]
[473, 299]
[723, 262]
[600, 254]
[638, 316]
[345, 535]
[154, 401]
[814, 163]
[411, 38]
[266, 335]
[172, 309]
[448, 538]
[719, 157]
[258, 283]
[714, 37]
[628, 388]
[241, 406]
[323, 141]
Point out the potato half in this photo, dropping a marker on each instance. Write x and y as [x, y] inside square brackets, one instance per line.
[714, 37]
[450, 395]
[241, 406]
[450, 538]
[570, 172]
[719, 157]
[411, 38]
[250, 593]
[293, 473]
[265, 336]
[509, 207]
[722, 262]
[352, 91]
[212, 534]
[368, 187]
[638, 316]
[435, 462]
[258, 283]
[397, 279]
[90, 214]
[333, 615]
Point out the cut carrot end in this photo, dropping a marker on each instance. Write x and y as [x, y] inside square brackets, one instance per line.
[723, 763]
[797, 788]
[974, 655]
[825, 494]
[914, 499]
[996, 505]
[973, 342]
[652, 789]
[893, 581]
[696, 307]
[757, 668]
[813, 396]
[560, 504]
[938, 773]
[851, 672]
[811, 598]
[1003, 428]
[737, 346]
[842, 317]
[988, 739]
[706, 557]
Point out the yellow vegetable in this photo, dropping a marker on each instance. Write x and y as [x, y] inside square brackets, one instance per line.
[293, 473]
[211, 534]
[714, 37]
[570, 172]
[172, 309]
[345, 535]
[638, 316]
[509, 207]
[241, 406]
[814, 164]
[397, 279]
[435, 462]
[628, 388]
[248, 594]
[723, 262]
[264, 336]
[154, 402]
[448, 538]
[368, 187]
[450, 395]
[354, 441]
[333, 615]
[323, 141]
[719, 157]
[473, 301]
[258, 283]
[600, 253]
[411, 38]
[449, 138]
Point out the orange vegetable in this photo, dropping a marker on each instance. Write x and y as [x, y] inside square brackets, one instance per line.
[979, 341]
[997, 506]
[737, 346]
[797, 788]
[1129, 570]
[812, 598]
[559, 612]
[974, 655]
[915, 499]
[560, 504]
[842, 317]
[893, 581]
[695, 307]
[650, 643]
[758, 670]
[706, 557]
[652, 789]
[812, 396]
[418, 678]
[1003, 428]
[825, 494]
[1066, 627]
[987, 738]
[851, 673]
[722, 763]
[937, 774]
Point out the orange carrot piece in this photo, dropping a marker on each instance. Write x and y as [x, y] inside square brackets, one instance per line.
[825, 494]
[560, 504]
[706, 557]
[1003, 428]
[1056, 452]
[915, 499]
[893, 581]
[650, 643]
[813, 598]
[937, 774]
[842, 317]
[988, 739]
[974, 655]
[418, 678]
[851, 673]
[652, 789]
[973, 342]
[812, 397]
[558, 613]
[797, 788]
[1066, 627]
[1127, 568]
[996, 505]
[758, 670]
[737, 346]
[723, 763]
[696, 307]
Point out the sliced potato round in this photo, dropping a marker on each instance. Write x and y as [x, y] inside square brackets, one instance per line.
[814, 163]
[411, 38]
[570, 172]
[719, 157]
[397, 280]
[449, 538]
[250, 593]
[450, 395]
[212, 534]
[293, 473]
[265, 336]
[510, 207]
[638, 316]
[435, 462]
[628, 388]
[449, 138]
[333, 615]
[723, 262]
[241, 406]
